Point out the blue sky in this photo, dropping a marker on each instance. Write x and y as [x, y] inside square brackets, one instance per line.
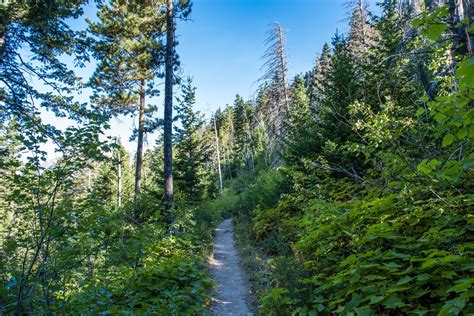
[222, 45]
[222, 48]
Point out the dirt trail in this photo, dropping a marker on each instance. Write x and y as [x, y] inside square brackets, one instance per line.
[231, 294]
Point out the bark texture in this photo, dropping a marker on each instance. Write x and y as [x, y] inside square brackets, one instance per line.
[139, 162]
[168, 117]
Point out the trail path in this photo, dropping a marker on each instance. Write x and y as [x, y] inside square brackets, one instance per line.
[230, 295]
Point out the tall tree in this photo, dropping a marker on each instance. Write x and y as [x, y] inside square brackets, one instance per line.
[225, 130]
[218, 153]
[275, 78]
[319, 80]
[37, 28]
[168, 117]
[34, 39]
[179, 10]
[192, 147]
[243, 151]
[128, 48]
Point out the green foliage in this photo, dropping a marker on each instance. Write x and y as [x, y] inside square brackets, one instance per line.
[383, 254]
[175, 283]
[192, 149]
[373, 214]
[359, 203]
[128, 268]
[453, 114]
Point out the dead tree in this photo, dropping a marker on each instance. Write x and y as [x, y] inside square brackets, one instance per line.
[275, 80]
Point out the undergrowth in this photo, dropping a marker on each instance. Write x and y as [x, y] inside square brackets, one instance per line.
[370, 253]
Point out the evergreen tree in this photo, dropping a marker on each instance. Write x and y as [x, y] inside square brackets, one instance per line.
[243, 155]
[225, 132]
[129, 51]
[319, 80]
[299, 138]
[33, 37]
[192, 147]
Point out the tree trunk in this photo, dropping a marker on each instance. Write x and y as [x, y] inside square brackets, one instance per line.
[218, 156]
[470, 13]
[459, 12]
[282, 57]
[119, 180]
[139, 162]
[168, 117]
[3, 35]
[89, 179]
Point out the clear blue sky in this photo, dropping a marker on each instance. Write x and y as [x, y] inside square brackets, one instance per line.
[222, 45]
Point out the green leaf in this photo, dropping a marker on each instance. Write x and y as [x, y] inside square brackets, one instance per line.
[463, 286]
[434, 31]
[393, 301]
[439, 117]
[374, 299]
[363, 311]
[420, 111]
[404, 280]
[447, 140]
[417, 22]
[453, 307]
[462, 133]
[391, 265]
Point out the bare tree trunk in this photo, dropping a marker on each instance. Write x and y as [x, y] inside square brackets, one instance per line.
[89, 179]
[218, 156]
[139, 162]
[459, 12]
[469, 4]
[168, 117]
[429, 88]
[282, 57]
[3, 35]
[119, 180]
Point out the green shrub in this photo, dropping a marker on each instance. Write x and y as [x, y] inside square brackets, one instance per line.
[174, 285]
[388, 256]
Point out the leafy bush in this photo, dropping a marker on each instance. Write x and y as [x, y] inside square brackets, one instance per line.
[174, 285]
[388, 256]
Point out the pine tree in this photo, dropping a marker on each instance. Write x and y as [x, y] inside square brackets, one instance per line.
[361, 33]
[128, 50]
[243, 155]
[192, 147]
[319, 81]
[225, 131]
[33, 37]
[168, 115]
[298, 141]
[341, 91]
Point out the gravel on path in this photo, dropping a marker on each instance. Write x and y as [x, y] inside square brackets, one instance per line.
[230, 296]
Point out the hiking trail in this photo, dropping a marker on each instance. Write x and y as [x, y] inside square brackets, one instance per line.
[230, 296]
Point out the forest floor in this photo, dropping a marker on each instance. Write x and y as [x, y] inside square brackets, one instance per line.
[230, 296]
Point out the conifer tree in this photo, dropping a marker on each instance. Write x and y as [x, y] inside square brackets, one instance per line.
[225, 131]
[128, 48]
[37, 28]
[299, 137]
[361, 33]
[319, 80]
[242, 135]
[168, 116]
[192, 147]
